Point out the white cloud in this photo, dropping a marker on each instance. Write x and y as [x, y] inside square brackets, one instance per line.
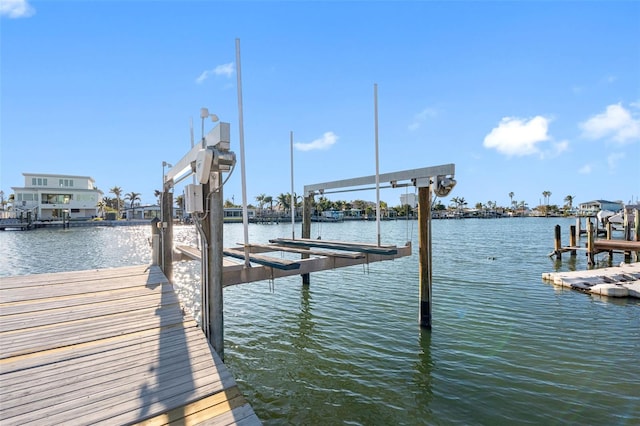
[325, 142]
[518, 137]
[612, 160]
[16, 9]
[224, 70]
[421, 117]
[585, 170]
[616, 123]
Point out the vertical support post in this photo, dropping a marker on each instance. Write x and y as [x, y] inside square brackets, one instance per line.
[424, 241]
[590, 248]
[293, 195]
[636, 232]
[375, 96]
[216, 215]
[578, 226]
[166, 240]
[155, 242]
[205, 235]
[609, 228]
[572, 239]
[557, 245]
[306, 230]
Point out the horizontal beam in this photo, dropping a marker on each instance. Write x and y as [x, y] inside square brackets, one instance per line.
[270, 248]
[420, 176]
[337, 245]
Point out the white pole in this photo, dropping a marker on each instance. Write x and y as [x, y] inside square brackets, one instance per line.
[375, 97]
[192, 143]
[245, 218]
[293, 197]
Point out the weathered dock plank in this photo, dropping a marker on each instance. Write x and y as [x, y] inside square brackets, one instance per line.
[616, 245]
[109, 346]
[263, 260]
[269, 248]
[337, 245]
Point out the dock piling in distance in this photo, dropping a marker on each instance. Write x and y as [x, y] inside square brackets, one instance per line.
[590, 240]
[557, 246]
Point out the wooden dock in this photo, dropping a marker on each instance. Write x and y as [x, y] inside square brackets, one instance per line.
[618, 281]
[108, 346]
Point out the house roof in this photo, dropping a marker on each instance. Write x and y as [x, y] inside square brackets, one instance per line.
[56, 175]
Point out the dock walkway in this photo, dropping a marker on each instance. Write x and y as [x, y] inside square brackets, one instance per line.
[108, 346]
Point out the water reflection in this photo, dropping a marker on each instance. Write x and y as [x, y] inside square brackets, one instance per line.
[568, 262]
[422, 378]
[305, 322]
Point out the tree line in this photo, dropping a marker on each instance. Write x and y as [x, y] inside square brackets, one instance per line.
[283, 203]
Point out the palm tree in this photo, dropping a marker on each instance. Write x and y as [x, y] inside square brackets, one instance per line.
[101, 207]
[269, 200]
[325, 204]
[460, 203]
[180, 203]
[117, 191]
[132, 197]
[157, 193]
[522, 205]
[511, 194]
[546, 195]
[260, 199]
[569, 201]
[107, 203]
[284, 201]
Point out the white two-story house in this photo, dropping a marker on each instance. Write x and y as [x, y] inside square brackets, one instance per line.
[49, 196]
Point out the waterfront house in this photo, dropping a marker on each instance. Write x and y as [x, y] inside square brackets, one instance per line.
[234, 214]
[49, 197]
[591, 208]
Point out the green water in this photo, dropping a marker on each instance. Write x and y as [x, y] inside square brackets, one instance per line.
[505, 348]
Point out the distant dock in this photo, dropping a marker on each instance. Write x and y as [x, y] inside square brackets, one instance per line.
[629, 246]
[108, 346]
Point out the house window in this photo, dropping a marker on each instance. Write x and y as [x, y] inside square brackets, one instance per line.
[56, 198]
[24, 197]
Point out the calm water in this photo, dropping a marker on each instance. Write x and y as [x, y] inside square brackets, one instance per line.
[505, 346]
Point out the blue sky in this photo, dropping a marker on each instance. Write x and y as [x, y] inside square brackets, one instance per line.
[522, 97]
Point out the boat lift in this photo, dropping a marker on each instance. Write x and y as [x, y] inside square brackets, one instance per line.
[210, 159]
